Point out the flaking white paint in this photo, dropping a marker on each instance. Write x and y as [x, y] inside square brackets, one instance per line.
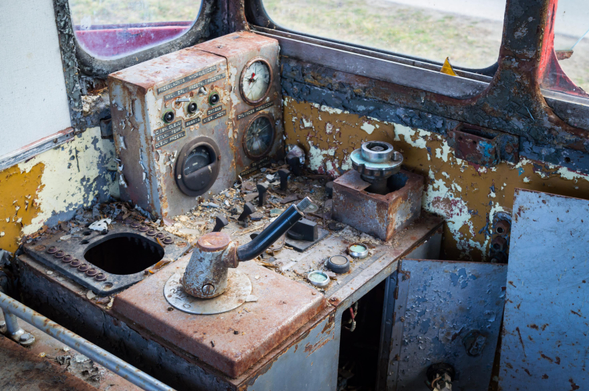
[69, 176]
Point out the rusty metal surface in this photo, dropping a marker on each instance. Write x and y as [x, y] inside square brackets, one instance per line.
[66, 254]
[240, 49]
[230, 342]
[70, 361]
[482, 146]
[238, 289]
[544, 345]
[445, 312]
[23, 370]
[376, 214]
[147, 147]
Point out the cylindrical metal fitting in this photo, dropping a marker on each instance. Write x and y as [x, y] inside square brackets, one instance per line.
[377, 151]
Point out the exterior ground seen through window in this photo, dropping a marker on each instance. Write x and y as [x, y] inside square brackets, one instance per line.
[467, 31]
[571, 40]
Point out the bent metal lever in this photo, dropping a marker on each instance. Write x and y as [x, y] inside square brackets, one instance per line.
[205, 276]
[274, 231]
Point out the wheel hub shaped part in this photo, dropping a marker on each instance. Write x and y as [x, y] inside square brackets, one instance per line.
[376, 161]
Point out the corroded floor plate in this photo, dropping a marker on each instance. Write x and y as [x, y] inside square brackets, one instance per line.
[239, 287]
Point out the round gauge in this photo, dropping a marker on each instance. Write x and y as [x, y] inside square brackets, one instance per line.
[255, 81]
[259, 137]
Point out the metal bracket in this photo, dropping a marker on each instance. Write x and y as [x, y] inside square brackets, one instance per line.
[483, 146]
[9, 327]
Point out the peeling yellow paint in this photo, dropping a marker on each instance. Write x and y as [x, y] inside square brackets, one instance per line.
[17, 202]
[55, 182]
[466, 195]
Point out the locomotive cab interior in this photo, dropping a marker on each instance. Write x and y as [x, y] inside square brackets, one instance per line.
[305, 195]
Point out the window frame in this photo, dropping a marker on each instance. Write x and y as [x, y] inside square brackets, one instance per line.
[461, 98]
[100, 68]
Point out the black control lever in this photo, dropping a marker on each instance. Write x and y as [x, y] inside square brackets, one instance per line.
[220, 222]
[273, 232]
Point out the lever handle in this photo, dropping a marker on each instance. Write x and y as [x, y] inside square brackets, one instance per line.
[273, 232]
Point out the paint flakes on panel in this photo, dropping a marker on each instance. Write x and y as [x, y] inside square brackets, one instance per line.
[465, 194]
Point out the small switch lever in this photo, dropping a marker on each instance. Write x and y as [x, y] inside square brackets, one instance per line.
[220, 222]
[262, 194]
[283, 173]
[248, 209]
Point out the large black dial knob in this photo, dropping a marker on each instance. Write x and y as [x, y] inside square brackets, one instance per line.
[197, 166]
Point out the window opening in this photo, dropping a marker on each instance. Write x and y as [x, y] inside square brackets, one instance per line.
[468, 32]
[114, 28]
[566, 56]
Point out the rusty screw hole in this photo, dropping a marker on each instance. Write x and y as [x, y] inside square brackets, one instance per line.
[499, 230]
[567, 159]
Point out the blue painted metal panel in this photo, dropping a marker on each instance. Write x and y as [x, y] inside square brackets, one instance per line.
[446, 312]
[546, 343]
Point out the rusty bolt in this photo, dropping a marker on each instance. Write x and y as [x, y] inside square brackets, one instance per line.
[83, 267]
[499, 244]
[100, 277]
[208, 289]
[67, 259]
[135, 225]
[75, 263]
[143, 228]
[59, 254]
[151, 232]
[91, 272]
[40, 248]
[52, 250]
[502, 227]
[160, 235]
[168, 240]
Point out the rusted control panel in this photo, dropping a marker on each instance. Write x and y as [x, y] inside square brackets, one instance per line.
[188, 123]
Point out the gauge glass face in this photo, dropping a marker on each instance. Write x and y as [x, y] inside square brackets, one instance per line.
[259, 137]
[255, 81]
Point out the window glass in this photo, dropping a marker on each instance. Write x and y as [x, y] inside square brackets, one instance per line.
[112, 28]
[467, 31]
[571, 43]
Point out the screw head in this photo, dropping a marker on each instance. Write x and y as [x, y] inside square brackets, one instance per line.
[208, 289]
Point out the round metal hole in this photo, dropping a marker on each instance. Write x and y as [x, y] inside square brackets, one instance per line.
[169, 117]
[500, 230]
[87, 233]
[124, 254]
[108, 285]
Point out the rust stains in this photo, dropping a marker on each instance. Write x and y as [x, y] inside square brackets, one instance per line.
[18, 202]
[467, 195]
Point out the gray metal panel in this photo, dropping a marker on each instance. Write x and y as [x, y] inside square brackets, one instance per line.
[545, 328]
[430, 249]
[310, 365]
[445, 301]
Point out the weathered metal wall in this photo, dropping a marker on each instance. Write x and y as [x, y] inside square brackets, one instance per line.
[465, 194]
[50, 187]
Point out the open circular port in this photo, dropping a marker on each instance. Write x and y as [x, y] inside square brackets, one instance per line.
[125, 253]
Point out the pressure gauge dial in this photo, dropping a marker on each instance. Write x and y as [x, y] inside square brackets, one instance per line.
[259, 137]
[255, 81]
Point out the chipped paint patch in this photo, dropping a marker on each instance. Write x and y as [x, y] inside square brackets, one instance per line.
[367, 127]
[466, 195]
[73, 176]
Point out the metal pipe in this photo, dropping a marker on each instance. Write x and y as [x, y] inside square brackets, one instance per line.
[12, 328]
[88, 349]
[274, 231]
